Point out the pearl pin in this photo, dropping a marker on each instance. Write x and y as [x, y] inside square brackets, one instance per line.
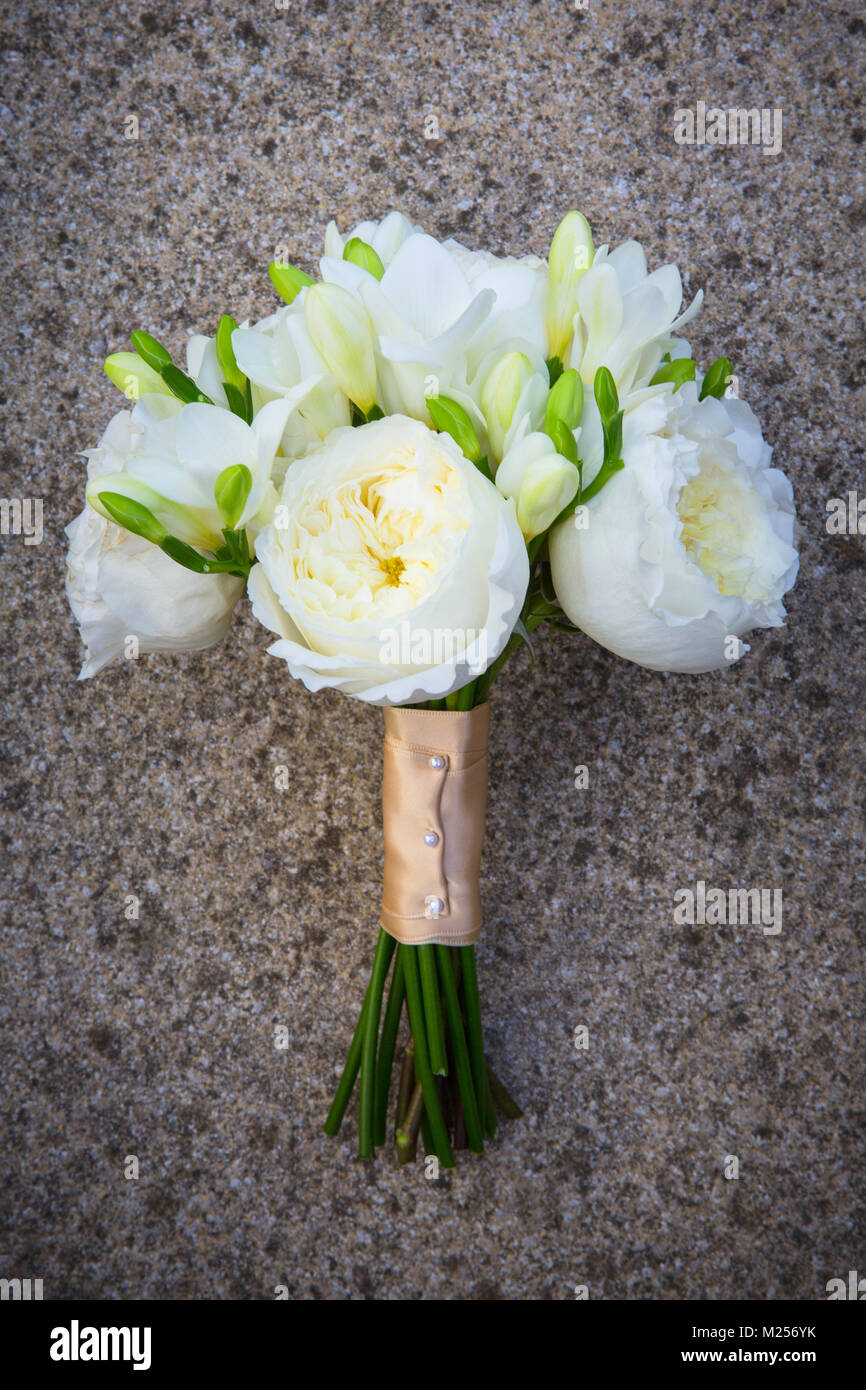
[433, 906]
[436, 761]
[431, 838]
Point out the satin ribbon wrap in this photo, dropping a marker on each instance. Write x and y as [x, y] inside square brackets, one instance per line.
[435, 783]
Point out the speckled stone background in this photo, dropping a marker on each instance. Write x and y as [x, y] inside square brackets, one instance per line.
[258, 908]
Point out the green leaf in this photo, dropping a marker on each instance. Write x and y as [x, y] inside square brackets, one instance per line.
[133, 516]
[606, 396]
[716, 379]
[679, 371]
[150, 351]
[375, 413]
[450, 418]
[287, 280]
[225, 353]
[231, 490]
[360, 253]
[183, 386]
[565, 401]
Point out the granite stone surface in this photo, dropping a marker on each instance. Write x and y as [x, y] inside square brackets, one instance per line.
[155, 1037]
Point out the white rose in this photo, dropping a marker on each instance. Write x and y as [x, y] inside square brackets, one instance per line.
[120, 586]
[690, 545]
[393, 569]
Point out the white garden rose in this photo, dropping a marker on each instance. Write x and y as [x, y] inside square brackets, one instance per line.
[393, 570]
[688, 547]
[120, 587]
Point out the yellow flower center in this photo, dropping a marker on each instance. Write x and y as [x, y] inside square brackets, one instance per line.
[723, 526]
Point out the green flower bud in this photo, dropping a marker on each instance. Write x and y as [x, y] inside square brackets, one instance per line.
[133, 376]
[231, 490]
[606, 396]
[565, 401]
[152, 352]
[716, 379]
[682, 369]
[359, 253]
[287, 280]
[133, 516]
[450, 418]
[226, 355]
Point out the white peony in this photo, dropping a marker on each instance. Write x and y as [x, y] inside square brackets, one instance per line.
[690, 545]
[120, 586]
[393, 569]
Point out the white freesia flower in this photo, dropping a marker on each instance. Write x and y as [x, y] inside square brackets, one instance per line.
[438, 310]
[120, 586]
[178, 451]
[571, 254]
[341, 330]
[539, 479]
[387, 548]
[385, 237]
[282, 362]
[514, 392]
[690, 545]
[627, 318]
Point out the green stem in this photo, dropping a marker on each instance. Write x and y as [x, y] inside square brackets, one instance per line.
[461, 1052]
[407, 1131]
[382, 959]
[347, 1080]
[427, 1134]
[476, 1039]
[439, 1134]
[466, 696]
[432, 1010]
[388, 1042]
[407, 1079]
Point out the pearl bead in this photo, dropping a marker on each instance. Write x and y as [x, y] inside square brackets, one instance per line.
[431, 838]
[436, 761]
[433, 906]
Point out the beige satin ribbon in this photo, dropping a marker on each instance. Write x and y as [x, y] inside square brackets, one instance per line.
[434, 796]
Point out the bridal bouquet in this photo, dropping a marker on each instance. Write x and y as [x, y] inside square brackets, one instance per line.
[409, 466]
